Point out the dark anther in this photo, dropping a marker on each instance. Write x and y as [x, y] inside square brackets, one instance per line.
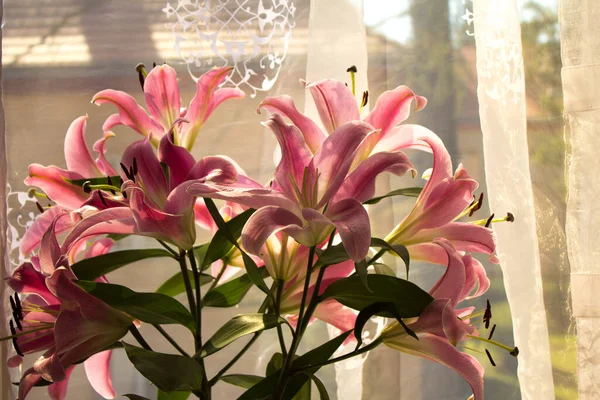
[13, 306]
[109, 181]
[86, 186]
[487, 315]
[126, 172]
[102, 199]
[489, 221]
[352, 69]
[490, 357]
[140, 70]
[154, 65]
[135, 170]
[510, 217]
[124, 194]
[514, 352]
[39, 207]
[18, 302]
[346, 83]
[365, 98]
[478, 206]
[17, 321]
[492, 332]
[14, 339]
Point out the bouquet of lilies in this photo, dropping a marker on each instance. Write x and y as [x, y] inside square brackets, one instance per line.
[303, 239]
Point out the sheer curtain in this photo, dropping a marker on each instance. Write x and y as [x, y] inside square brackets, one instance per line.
[580, 37]
[57, 55]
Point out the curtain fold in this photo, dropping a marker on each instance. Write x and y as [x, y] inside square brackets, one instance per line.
[580, 39]
[502, 109]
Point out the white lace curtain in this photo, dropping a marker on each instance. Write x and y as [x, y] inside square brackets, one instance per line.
[524, 246]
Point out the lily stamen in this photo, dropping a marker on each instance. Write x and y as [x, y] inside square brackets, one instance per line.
[14, 338]
[490, 357]
[492, 332]
[513, 351]
[34, 193]
[142, 74]
[482, 222]
[39, 207]
[353, 71]
[487, 316]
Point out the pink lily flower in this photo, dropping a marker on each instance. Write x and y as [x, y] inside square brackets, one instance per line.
[337, 105]
[161, 94]
[54, 181]
[49, 316]
[440, 327]
[445, 198]
[329, 311]
[311, 194]
[159, 205]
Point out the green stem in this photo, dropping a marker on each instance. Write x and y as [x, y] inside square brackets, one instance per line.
[239, 355]
[198, 316]
[170, 340]
[355, 353]
[283, 378]
[138, 336]
[188, 285]
[218, 278]
[168, 248]
[280, 284]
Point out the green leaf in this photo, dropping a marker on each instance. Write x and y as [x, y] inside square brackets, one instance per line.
[243, 381]
[275, 363]
[174, 285]
[251, 268]
[398, 249]
[153, 308]
[410, 192]
[237, 327]
[333, 255]
[103, 180]
[319, 355]
[92, 268]
[320, 387]
[220, 245]
[385, 309]
[200, 254]
[169, 372]
[383, 269]
[172, 395]
[231, 293]
[117, 236]
[409, 299]
[304, 392]
[361, 270]
[132, 396]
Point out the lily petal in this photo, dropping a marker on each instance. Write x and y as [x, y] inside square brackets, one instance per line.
[53, 181]
[150, 175]
[440, 350]
[50, 252]
[335, 103]
[313, 135]
[77, 155]
[28, 381]
[335, 156]
[263, 223]
[217, 169]
[58, 390]
[337, 315]
[352, 222]
[360, 184]
[205, 101]
[33, 236]
[97, 369]
[27, 280]
[101, 161]
[162, 95]
[393, 107]
[131, 113]
[295, 155]
[475, 268]
[451, 284]
[177, 158]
